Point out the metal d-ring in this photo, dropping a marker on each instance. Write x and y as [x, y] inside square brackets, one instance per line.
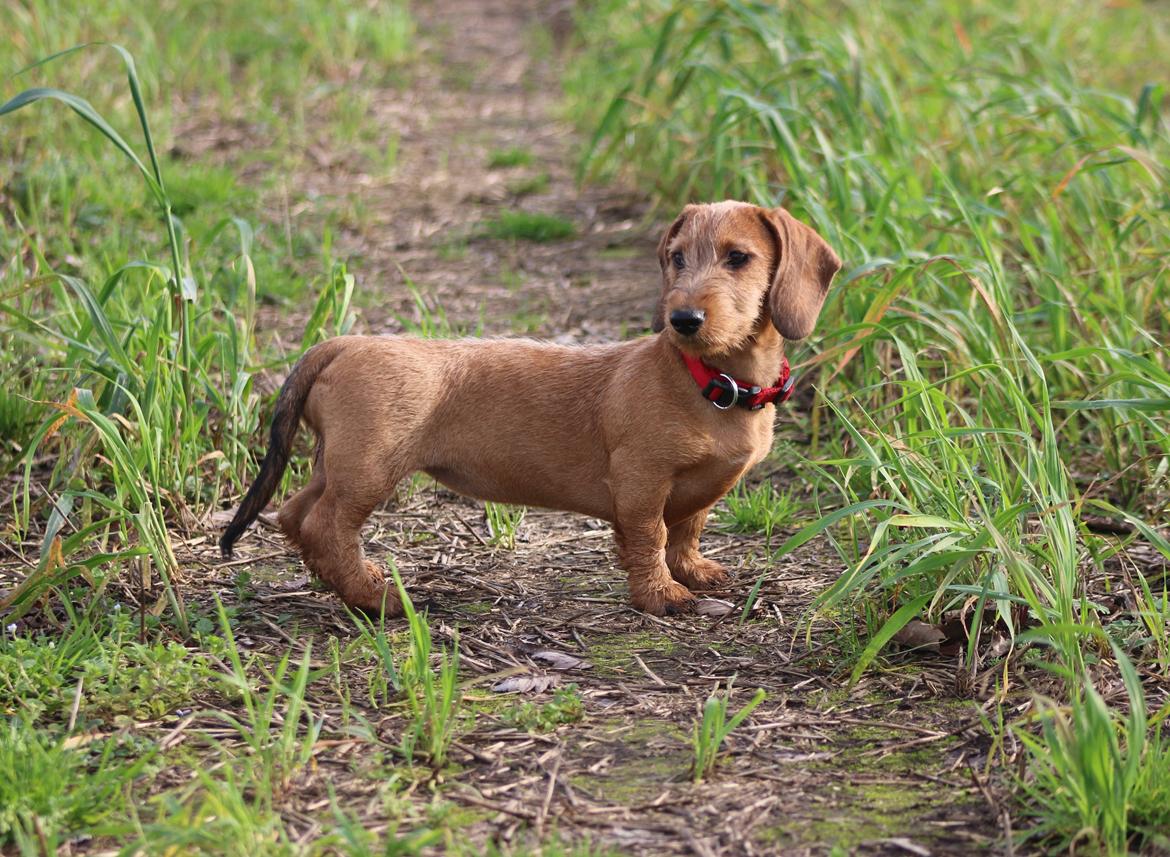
[734, 394]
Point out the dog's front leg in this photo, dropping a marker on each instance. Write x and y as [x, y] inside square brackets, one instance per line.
[687, 565]
[641, 542]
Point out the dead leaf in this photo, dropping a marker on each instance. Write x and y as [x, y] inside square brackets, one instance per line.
[293, 584]
[82, 739]
[560, 660]
[919, 635]
[715, 608]
[525, 684]
[221, 518]
[1000, 646]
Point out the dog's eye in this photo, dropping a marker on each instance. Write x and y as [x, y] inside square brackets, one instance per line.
[737, 259]
[678, 259]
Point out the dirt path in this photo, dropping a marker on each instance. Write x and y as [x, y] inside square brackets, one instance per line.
[489, 87]
[884, 768]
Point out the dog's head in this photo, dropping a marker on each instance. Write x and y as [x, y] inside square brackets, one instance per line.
[729, 268]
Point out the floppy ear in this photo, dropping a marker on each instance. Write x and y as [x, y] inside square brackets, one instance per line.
[658, 322]
[805, 266]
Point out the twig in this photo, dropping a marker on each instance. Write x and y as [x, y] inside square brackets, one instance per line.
[492, 805]
[548, 795]
[76, 705]
[649, 672]
[1005, 819]
[470, 529]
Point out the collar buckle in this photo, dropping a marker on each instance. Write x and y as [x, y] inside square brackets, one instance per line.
[730, 394]
[726, 386]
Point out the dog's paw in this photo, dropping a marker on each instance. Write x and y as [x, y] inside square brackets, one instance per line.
[371, 594]
[664, 600]
[698, 572]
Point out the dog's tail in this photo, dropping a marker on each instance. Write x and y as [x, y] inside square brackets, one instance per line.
[290, 404]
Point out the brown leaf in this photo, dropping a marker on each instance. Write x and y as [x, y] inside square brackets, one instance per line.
[715, 608]
[919, 635]
[221, 517]
[525, 684]
[560, 660]
[1000, 646]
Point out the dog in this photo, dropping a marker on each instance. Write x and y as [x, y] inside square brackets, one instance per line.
[647, 434]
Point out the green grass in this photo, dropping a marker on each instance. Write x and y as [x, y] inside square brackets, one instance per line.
[50, 791]
[757, 510]
[991, 358]
[712, 729]
[514, 157]
[1100, 781]
[432, 694]
[128, 348]
[529, 185]
[565, 707]
[503, 523]
[529, 226]
[992, 371]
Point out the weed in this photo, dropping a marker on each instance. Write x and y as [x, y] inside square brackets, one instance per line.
[49, 791]
[384, 682]
[514, 157]
[351, 837]
[432, 696]
[566, 706]
[757, 510]
[503, 521]
[712, 729]
[529, 185]
[219, 818]
[97, 672]
[271, 726]
[429, 320]
[529, 226]
[1098, 782]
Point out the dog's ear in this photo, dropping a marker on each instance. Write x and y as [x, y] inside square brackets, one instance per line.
[805, 266]
[658, 323]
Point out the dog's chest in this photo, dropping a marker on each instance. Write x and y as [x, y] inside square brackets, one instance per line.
[720, 463]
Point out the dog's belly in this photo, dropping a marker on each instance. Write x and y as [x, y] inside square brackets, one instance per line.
[565, 495]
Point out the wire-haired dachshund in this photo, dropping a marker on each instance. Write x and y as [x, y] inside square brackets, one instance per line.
[647, 434]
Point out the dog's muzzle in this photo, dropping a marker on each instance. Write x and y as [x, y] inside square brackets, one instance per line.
[687, 321]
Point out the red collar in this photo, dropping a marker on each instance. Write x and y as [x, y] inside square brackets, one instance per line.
[725, 392]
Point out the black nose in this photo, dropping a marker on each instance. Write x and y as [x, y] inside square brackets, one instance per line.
[687, 321]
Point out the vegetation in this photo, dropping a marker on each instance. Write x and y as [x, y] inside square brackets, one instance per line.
[529, 226]
[713, 728]
[991, 384]
[992, 363]
[503, 523]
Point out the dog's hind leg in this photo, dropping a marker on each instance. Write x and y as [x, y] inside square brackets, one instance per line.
[330, 534]
[292, 514]
[687, 565]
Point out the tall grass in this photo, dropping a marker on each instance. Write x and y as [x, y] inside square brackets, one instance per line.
[992, 362]
[998, 332]
[154, 385]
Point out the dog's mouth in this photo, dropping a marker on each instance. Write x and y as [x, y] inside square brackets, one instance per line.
[708, 344]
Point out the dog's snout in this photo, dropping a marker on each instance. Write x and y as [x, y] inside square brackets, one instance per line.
[687, 321]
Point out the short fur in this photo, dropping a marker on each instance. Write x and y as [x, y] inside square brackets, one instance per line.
[618, 432]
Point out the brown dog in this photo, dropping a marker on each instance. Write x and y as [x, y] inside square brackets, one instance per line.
[647, 434]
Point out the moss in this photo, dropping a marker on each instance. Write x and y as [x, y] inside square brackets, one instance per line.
[614, 653]
[476, 607]
[645, 758]
[869, 796]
